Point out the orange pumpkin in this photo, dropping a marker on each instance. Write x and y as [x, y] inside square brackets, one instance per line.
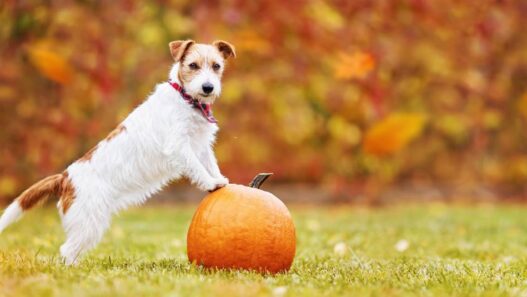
[242, 227]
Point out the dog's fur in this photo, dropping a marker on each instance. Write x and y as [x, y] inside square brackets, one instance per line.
[161, 140]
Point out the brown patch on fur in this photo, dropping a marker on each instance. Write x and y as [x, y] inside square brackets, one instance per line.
[40, 191]
[120, 129]
[187, 74]
[89, 155]
[179, 48]
[225, 48]
[67, 193]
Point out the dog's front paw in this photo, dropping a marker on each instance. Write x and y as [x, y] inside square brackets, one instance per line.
[222, 179]
[217, 184]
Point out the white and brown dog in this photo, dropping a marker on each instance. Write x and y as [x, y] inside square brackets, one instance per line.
[168, 136]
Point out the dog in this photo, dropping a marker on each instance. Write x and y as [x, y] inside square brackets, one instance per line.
[169, 136]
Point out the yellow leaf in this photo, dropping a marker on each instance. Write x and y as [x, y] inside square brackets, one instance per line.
[50, 64]
[7, 185]
[356, 65]
[325, 15]
[151, 34]
[345, 132]
[393, 133]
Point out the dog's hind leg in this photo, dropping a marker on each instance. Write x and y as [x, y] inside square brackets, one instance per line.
[84, 230]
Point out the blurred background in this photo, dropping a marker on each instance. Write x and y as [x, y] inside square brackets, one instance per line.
[345, 101]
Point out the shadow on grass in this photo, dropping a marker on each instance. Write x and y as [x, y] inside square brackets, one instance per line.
[173, 265]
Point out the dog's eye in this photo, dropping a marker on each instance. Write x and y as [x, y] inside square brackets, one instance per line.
[193, 66]
[216, 66]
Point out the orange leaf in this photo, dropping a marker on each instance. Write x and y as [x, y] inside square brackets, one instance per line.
[50, 64]
[393, 133]
[251, 41]
[522, 105]
[356, 65]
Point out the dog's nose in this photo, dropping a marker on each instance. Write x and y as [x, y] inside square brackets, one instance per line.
[207, 87]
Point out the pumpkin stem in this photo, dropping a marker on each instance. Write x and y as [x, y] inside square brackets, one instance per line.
[259, 179]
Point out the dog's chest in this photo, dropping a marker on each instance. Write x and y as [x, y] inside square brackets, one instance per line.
[201, 133]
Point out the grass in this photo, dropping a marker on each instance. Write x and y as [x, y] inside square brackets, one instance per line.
[398, 251]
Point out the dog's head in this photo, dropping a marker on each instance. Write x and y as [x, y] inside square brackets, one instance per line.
[201, 67]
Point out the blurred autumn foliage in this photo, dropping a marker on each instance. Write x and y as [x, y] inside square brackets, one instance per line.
[345, 94]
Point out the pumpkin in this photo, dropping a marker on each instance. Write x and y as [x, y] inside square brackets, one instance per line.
[242, 227]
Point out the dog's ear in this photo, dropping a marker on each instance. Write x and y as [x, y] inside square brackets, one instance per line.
[225, 48]
[178, 48]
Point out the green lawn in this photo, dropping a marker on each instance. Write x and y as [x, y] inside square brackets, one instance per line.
[397, 251]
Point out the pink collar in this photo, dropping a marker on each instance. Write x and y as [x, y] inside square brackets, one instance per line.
[206, 109]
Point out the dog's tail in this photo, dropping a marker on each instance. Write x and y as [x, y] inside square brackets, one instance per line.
[39, 192]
